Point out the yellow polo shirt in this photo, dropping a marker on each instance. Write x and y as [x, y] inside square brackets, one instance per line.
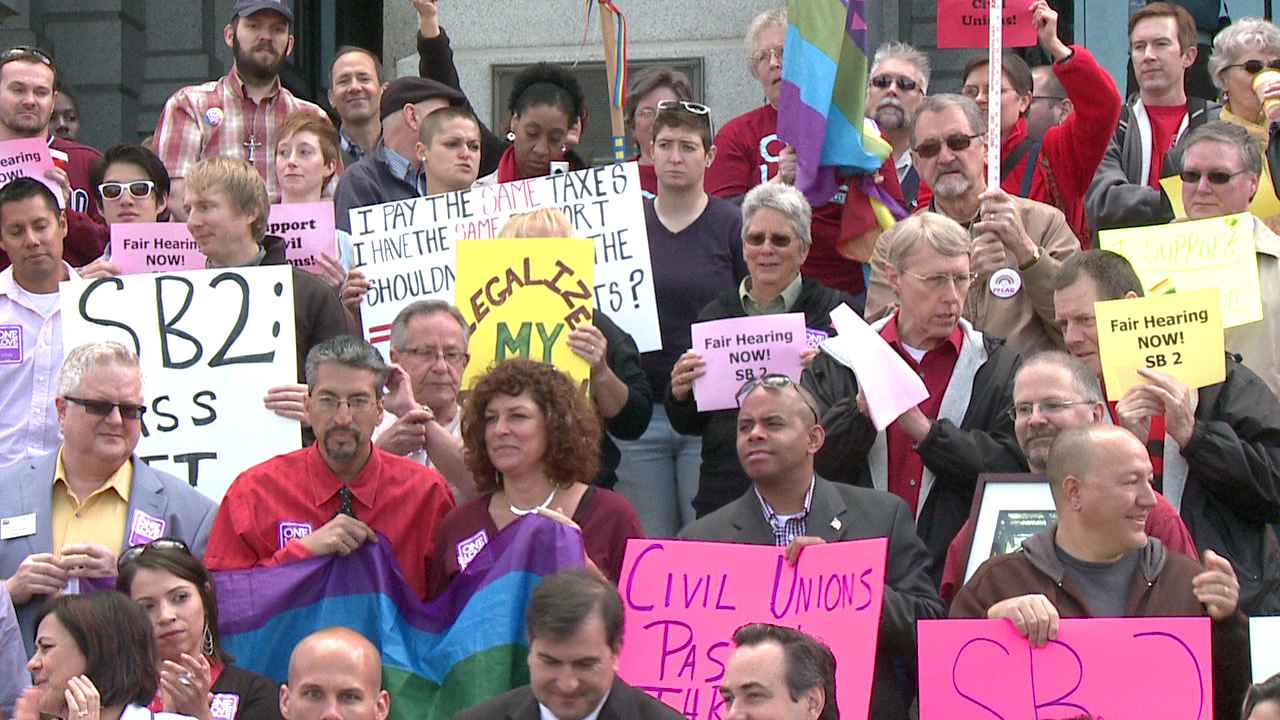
[101, 518]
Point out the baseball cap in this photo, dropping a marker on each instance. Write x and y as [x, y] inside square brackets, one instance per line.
[249, 7]
[410, 90]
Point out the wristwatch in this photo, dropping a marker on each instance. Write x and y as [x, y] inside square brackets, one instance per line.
[1035, 258]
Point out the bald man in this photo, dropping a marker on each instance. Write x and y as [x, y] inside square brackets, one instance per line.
[335, 672]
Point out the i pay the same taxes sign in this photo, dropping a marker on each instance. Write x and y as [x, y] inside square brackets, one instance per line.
[210, 343]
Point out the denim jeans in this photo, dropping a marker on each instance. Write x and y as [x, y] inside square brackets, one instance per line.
[659, 475]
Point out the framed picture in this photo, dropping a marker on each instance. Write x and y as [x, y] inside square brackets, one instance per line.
[1007, 509]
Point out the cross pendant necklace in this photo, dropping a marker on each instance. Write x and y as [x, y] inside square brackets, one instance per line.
[251, 144]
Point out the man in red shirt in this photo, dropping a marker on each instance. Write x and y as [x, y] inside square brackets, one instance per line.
[1126, 190]
[334, 496]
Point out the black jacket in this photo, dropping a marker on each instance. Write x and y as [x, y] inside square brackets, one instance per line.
[632, 420]
[956, 455]
[722, 478]
[317, 312]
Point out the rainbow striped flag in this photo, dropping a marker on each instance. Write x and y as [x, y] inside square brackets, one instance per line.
[465, 647]
[823, 96]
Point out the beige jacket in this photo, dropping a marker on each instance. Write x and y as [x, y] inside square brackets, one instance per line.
[1259, 343]
[1025, 319]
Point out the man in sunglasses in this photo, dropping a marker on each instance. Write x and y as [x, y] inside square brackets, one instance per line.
[1016, 243]
[1221, 167]
[899, 80]
[67, 514]
[132, 186]
[790, 506]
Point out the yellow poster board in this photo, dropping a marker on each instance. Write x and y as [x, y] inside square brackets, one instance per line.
[1215, 253]
[1265, 203]
[1179, 334]
[522, 297]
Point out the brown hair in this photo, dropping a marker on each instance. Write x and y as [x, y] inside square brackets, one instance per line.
[184, 566]
[678, 117]
[1186, 24]
[115, 637]
[572, 428]
[326, 134]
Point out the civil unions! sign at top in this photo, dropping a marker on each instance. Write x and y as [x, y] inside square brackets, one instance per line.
[407, 251]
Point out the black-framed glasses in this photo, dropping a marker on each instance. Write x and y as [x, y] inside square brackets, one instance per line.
[1048, 408]
[776, 381]
[938, 281]
[138, 189]
[430, 355]
[1253, 67]
[164, 543]
[103, 408]
[905, 84]
[690, 107]
[26, 52]
[956, 142]
[1216, 177]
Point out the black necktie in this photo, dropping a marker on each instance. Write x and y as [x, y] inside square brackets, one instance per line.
[344, 502]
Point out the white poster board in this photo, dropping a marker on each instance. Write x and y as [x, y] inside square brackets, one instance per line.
[211, 343]
[1264, 646]
[407, 251]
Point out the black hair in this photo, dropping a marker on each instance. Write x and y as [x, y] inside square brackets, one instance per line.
[562, 603]
[23, 188]
[548, 84]
[133, 155]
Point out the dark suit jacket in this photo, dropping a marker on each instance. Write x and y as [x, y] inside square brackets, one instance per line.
[28, 488]
[844, 512]
[624, 703]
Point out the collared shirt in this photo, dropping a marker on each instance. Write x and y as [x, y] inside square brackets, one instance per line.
[780, 302]
[30, 357]
[786, 527]
[349, 146]
[401, 168]
[219, 118]
[544, 712]
[100, 519]
[272, 505]
[906, 469]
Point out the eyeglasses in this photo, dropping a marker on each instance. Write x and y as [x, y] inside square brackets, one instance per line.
[25, 52]
[905, 84]
[776, 381]
[761, 57]
[957, 142]
[430, 355]
[973, 91]
[693, 108]
[164, 543]
[1054, 98]
[358, 404]
[103, 408]
[138, 188]
[1022, 411]
[1253, 67]
[1216, 177]
[939, 281]
[757, 239]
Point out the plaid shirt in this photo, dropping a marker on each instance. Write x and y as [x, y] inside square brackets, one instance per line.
[219, 118]
[787, 527]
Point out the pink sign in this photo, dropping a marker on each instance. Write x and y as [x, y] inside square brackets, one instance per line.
[153, 247]
[684, 600]
[1105, 668]
[740, 349]
[963, 24]
[887, 382]
[28, 157]
[307, 229]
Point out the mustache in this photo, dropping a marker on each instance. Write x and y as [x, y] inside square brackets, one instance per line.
[890, 102]
[1043, 432]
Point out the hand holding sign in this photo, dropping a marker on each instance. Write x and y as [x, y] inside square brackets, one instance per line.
[685, 372]
[1162, 395]
[1217, 588]
[1033, 616]
[744, 348]
[1179, 335]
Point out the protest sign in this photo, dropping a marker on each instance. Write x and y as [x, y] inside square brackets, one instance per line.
[888, 384]
[740, 349]
[1214, 253]
[963, 24]
[307, 229]
[153, 247]
[211, 343]
[1264, 646]
[1105, 668]
[406, 248]
[522, 297]
[684, 600]
[28, 157]
[1179, 334]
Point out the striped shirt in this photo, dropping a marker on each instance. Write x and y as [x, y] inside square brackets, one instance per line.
[787, 527]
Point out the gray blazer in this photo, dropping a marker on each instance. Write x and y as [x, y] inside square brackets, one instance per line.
[27, 488]
[841, 512]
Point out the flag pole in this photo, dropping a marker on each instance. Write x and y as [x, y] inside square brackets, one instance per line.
[995, 82]
[612, 57]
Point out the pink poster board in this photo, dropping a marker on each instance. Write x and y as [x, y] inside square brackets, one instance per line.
[307, 229]
[28, 157]
[739, 349]
[963, 24]
[1109, 668]
[684, 600]
[153, 247]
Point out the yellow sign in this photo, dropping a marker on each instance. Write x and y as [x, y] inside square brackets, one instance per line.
[1265, 204]
[522, 297]
[1177, 334]
[1178, 257]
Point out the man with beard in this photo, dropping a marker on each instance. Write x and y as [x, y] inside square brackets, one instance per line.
[332, 496]
[899, 80]
[1017, 244]
[237, 114]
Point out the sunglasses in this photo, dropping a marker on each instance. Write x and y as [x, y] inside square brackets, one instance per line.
[102, 408]
[138, 188]
[1216, 177]
[164, 543]
[25, 52]
[957, 142]
[1253, 67]
[776, 381]
[905, 84]
[777, 240]
[693, 108]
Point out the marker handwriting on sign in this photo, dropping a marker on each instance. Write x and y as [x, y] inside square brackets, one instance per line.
[498, 289]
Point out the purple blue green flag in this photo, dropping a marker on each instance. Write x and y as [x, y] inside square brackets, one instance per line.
[465, 647]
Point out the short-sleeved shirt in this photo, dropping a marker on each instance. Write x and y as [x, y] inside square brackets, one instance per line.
[100, 519]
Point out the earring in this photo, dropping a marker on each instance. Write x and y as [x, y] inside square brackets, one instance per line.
[564, 149]
[207, 644]
[511, 136]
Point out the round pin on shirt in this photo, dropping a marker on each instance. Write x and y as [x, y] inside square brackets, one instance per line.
[1005, 283]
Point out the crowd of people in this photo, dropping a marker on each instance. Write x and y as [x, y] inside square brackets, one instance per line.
[1166, 500]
